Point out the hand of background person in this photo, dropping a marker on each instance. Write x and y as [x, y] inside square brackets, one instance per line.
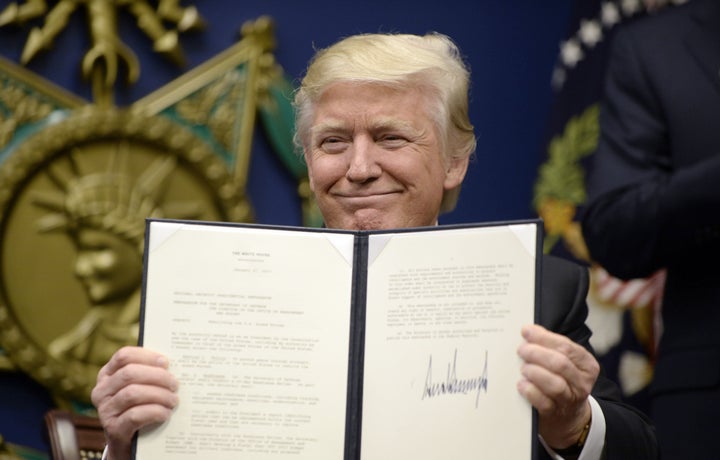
[133, 389]
[558, 376]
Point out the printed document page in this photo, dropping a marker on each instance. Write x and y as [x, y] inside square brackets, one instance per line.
[255, 324]
[442, 332]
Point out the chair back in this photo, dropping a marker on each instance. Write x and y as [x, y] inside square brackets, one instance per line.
[74, 436]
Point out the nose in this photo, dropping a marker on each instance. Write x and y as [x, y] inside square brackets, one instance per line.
[363, 165]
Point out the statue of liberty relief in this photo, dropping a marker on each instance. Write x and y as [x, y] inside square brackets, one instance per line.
[104, 215]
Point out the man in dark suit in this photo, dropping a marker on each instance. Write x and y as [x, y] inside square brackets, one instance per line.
[654, 197]
[383, 123]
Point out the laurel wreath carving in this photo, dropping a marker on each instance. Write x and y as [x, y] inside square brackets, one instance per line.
[560, 187]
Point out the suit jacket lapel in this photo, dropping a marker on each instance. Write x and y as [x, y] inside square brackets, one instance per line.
[703, 41]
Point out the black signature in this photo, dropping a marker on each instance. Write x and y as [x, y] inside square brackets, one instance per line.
[453, 384]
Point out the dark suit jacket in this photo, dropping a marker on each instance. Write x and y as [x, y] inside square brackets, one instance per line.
[563, 310]
[654, 196]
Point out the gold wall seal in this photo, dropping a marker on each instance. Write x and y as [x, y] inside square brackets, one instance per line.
[73, 205]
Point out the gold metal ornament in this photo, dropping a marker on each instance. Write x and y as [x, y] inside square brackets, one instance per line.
[79, 179]
[72, 213]
[102, 61]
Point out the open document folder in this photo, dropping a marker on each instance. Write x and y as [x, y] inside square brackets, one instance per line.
[322, 344]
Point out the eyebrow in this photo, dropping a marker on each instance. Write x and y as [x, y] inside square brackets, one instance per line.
[328, 126]
[387, 123]
[379, 124]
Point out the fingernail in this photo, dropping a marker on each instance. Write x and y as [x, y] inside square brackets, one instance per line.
[525, 331]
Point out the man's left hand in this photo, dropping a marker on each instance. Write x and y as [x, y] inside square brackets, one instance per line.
[558, 376]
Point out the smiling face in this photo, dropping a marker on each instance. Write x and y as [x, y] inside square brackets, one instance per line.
[374, 158]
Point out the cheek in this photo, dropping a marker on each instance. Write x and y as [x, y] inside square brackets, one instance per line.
[95, 262]
[107, 260]
[419, 169]
[325, 170]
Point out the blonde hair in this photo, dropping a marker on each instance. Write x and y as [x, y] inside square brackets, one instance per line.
[431, 62]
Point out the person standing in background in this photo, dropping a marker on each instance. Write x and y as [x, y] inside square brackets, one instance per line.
[653, 201]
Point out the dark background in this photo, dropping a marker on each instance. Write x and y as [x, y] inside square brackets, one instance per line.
[510, 45]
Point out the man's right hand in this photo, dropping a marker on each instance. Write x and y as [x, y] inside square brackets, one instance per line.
[133, 389]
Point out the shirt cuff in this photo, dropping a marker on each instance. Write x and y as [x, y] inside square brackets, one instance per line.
[595, 441]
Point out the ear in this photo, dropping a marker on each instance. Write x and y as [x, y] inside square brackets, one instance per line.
[455, 172]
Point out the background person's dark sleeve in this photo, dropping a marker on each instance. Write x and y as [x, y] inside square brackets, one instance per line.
[649, 206]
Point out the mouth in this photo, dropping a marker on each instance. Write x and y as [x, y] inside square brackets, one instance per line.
[368, 200]
[367, 196]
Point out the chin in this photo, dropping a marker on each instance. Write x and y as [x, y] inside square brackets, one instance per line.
[353, 223]
[372, 220]
[375, 219]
